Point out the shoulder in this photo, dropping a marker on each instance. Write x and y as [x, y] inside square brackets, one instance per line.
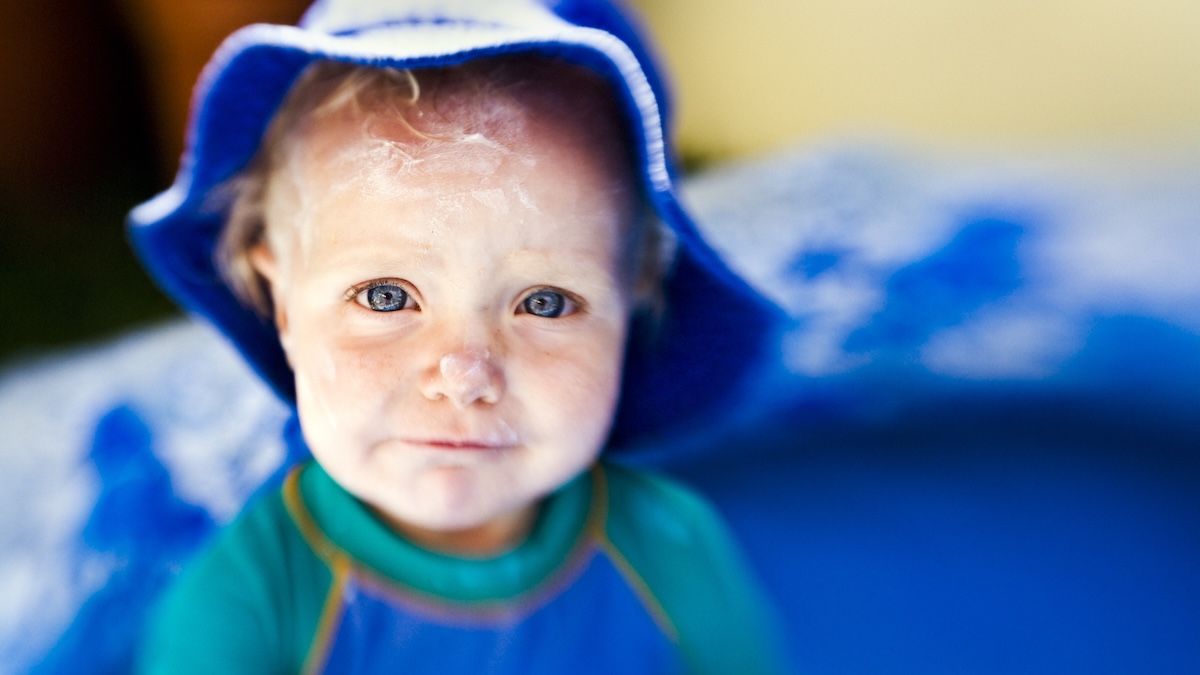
[236, 607]
[678, 545]
[649, 509]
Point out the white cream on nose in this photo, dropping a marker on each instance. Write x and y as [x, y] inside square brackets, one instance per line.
[467, 376]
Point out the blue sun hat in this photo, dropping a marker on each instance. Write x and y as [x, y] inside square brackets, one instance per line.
[715, 330]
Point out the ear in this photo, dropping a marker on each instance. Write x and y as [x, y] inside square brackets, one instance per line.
[264, 262]
[654, 256]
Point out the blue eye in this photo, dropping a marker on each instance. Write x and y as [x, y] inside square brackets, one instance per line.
[548, 304]
[384, 297]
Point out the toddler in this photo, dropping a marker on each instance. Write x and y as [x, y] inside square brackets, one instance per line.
[431, 225]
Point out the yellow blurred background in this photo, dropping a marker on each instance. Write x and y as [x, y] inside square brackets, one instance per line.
[752, 74]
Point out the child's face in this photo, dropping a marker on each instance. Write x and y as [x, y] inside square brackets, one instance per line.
[457, 331]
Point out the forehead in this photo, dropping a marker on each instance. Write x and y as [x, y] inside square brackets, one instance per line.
[501, 154]
[443, 133]
[521, 105]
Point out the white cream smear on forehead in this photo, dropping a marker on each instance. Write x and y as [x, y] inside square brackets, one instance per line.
[446, 176]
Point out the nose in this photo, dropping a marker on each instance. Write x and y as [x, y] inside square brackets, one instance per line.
[465, 377]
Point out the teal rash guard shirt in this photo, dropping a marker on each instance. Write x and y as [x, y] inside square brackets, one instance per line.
[623, 572]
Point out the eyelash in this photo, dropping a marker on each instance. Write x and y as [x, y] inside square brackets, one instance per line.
[354, 292]
[574, 303]
[358, 289]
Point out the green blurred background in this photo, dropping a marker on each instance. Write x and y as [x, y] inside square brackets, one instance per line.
[95, 94]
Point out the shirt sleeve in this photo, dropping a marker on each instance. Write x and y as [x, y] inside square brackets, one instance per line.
[696, 572]
[233, 610]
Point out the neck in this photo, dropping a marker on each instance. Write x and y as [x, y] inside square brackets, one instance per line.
[490, 539]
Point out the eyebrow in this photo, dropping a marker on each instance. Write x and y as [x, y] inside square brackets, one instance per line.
[563, 260]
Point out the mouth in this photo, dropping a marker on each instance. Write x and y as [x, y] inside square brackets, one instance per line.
[461, 445]
[497, 437]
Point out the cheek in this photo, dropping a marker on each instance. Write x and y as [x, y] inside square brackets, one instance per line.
[574, 387]
[343, 386]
